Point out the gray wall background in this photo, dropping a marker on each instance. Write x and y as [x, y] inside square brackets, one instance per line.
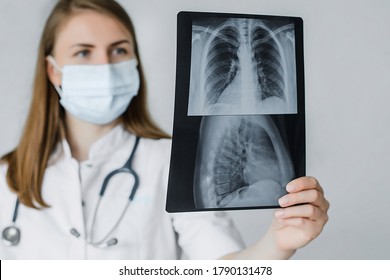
[347, 66]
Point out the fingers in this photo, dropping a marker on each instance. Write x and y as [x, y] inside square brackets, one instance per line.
[304, 183]
[308, 219]
[312, 196]
[305, 190]
[306, 211]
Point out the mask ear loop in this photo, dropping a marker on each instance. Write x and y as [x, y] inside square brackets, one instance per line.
[51, 59]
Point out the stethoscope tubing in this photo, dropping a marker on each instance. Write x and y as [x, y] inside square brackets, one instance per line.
[127, 168]
[16, 210]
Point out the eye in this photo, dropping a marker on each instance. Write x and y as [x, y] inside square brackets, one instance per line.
[82, 53]
[119, 51]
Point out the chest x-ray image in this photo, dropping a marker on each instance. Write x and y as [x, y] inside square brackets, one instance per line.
[241, 161]
[239, 124]
[242, 66]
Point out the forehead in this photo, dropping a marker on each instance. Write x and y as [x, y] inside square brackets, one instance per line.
[87, 26]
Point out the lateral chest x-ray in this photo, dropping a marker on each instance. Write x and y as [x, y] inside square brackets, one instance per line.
[239, 126]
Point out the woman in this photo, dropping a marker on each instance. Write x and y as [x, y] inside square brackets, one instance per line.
[87, 114]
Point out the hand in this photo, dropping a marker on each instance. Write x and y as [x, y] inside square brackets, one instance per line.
[302, 219]
[303, 216]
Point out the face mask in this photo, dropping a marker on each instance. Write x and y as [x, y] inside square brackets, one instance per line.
[98, 94]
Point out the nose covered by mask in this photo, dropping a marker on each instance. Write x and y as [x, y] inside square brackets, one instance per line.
[98, 94]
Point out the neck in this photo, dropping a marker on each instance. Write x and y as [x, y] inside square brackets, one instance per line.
[81, 135]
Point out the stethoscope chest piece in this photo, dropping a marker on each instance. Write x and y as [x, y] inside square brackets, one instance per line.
[11, 236]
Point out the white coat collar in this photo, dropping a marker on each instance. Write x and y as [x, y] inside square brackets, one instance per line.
[99, 150]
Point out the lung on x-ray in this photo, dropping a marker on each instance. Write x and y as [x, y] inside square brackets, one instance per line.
[239, 123]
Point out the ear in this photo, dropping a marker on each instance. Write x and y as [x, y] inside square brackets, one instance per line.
[54, 75]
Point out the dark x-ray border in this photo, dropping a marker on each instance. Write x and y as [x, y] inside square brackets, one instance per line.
[186, 128]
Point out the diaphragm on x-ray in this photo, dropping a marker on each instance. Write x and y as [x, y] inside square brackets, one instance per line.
[239, 124]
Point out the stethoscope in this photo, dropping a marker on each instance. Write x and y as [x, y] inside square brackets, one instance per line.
[11, 234]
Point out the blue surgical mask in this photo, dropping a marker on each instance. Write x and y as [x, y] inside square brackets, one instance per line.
[98, 94]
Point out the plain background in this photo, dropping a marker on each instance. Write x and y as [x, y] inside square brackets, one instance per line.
[347, 66]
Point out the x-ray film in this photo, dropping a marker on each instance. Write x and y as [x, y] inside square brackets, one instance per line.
[239, 123]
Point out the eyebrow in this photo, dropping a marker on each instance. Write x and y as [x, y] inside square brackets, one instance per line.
[91, 46]
[121, 42]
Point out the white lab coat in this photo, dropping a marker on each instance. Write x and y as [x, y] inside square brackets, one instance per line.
[147, 231]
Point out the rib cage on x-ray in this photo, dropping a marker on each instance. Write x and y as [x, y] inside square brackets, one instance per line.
[241, 161]
[247, 66]
[222, 63]
[267, 60]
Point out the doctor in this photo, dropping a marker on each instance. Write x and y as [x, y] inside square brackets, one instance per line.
[88, 178]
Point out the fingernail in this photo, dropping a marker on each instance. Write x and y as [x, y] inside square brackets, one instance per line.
[290, 187]
[279, 213]
[283, 200]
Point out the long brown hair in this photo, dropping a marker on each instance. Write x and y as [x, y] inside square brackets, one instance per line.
[44, 128]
